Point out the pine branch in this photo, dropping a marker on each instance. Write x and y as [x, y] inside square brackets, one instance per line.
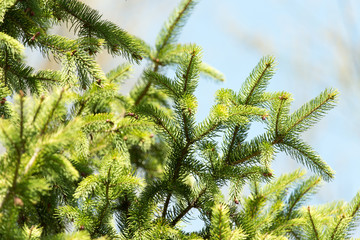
[163, 82]
[311, 112]
[188, 71]
[168, 35]
[170, 31]
[298, 194]
[6, 4]
[258, 80]
[188, 208]
[20, 151]
[146, 88]
[306, 155]
[254, 86]
[334, 233]
[178, 164]
[105, 208]
[313, 224]
[89, 22]
[32, 160]
[43, 130]
[38, 109]
[278, 117]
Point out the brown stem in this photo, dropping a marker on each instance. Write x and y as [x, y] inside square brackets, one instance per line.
[188, 208]
[313, 224]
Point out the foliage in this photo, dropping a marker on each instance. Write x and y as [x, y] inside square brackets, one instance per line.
[83, 161]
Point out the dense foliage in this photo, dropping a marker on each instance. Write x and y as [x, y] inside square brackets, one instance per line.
[82, 161]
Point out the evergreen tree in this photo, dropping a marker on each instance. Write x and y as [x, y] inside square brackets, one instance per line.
[83, 161]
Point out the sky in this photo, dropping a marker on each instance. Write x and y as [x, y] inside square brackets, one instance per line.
[315, 43]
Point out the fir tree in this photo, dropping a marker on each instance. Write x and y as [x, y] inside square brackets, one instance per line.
[83, 161]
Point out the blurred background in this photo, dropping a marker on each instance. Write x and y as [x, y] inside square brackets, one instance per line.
[316, 46]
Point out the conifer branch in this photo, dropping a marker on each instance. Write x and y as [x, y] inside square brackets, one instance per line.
[355, 210]
[186, 129]
[147, 87]
[165, 40]
[205, 133]
[305, 155]
[4, 6]
[43, 130]
[89, 19]
[231, 145]
[174, 25]
[120, 72]
[188, 208]
[175, 176]
[166, 204]
[185, 151]
[32, 160]
[310, 112]
[256, 153]
[162, 125]
[6, 67]
[38, 109]
[299, 197]
[16, 147]
[20, 152]
[22, 142]
[107, 203]
[333, 235]
[278, 117]
[313, 224]
[255, 83]
[11, 189]
[186, 76]
[163, 81]
[258, 81]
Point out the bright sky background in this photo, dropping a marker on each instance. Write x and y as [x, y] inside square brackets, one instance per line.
[316, 46]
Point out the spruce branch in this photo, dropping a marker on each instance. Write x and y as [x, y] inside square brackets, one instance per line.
[163, 82]
[20, 151]
[146, 88]
[211, 72]
[191, 205]
[311, 112]
[88, 21]
[38, 108]
[166, 124]
[167, 35]
[121, 72]
[107, 203]
[277, 120]
[178, 163]
[299, 194]
[43, 130]
[4, 6]
[171, 29]
[335, 232]
[188, 72]
[258, 80]
[32, 160]
[303, 153]
[253, 87]
[315, 231]
[352, 211]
